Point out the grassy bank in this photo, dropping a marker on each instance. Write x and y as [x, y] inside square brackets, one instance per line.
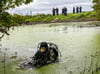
[70, 17]
[12, 20]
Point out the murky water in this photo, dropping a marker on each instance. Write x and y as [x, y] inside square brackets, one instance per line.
[80, 48]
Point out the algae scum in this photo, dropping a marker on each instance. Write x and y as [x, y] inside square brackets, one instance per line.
[79, 46]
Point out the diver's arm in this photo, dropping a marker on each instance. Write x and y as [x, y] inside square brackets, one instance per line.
[36, 55]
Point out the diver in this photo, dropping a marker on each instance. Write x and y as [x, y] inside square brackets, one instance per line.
[41, 55]
[47, 53]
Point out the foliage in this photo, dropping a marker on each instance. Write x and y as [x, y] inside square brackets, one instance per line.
[10, 20]
[6, 4]
[18, 19]
[97, 8]
[5, 18]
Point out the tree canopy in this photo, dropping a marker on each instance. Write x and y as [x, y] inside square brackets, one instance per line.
[6, 4]
[97, 8]
[5, 18]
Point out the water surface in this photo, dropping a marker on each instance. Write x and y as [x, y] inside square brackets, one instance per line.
[79, 46]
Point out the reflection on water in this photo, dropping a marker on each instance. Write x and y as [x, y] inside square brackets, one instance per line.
[4, 31]
[80, 48]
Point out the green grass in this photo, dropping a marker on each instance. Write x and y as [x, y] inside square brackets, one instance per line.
[14, 20]
[71, 16]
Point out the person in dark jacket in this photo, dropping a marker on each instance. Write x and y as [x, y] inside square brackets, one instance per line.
[53, 12]
[57, 11]
[73, 10]
[80, 9]
[65, 11]
[77, 9]
[62, 11]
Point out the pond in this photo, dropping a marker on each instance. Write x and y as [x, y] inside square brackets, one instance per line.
[79, 46]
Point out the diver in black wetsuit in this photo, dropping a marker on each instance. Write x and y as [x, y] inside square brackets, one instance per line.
[41, 55]
[46, 54]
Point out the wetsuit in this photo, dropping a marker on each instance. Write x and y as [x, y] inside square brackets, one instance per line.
[49, 55]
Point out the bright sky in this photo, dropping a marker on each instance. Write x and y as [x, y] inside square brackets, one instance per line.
[45, 6]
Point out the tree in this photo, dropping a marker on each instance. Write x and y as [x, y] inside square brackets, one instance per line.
[6, 4]
[97, 8]
[5, 17]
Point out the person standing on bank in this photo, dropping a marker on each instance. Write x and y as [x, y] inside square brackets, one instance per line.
[77, 9]
[73, 10]
[62, 11]
[80, 9]
[57, 11]
[65, 11]
[53, 11]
